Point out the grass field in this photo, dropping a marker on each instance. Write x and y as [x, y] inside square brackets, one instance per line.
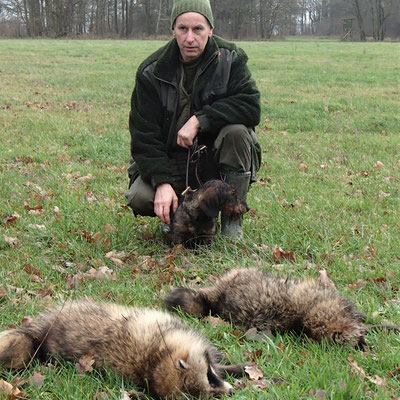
[327, 196]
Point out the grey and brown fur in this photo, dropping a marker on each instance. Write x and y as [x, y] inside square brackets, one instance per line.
[149, 347]
[251, 298]
[195, 220]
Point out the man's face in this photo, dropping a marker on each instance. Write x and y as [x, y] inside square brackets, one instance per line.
[192, 31]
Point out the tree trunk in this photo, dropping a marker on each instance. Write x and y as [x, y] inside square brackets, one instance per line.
[360, 22]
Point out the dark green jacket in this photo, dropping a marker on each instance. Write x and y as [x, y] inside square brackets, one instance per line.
[223, 93]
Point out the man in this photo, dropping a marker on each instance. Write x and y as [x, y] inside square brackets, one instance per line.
[193, 112]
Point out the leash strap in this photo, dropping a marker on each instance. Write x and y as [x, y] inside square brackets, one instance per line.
[193, 157]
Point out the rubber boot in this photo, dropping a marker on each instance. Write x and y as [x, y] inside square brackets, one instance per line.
[232, 228]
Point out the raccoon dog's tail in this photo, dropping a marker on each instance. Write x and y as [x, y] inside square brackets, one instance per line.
[189, 301]
[16, 348]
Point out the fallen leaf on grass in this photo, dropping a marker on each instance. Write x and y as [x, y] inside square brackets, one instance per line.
[303, 167]
[255, 335]
[10, 240]
[3, 292]
[319, 394]
[38, 226]
[85, 364]
[383, 195]
[379, 164]
[10, 219]
[261, 383]
[37, 378]
[281, 254]
[215, 322]
[358, 284]
[101, 396]
[377, 380]
[253, 372]
[324, 279]
[103, 273]
[10, 391]
[132, 394]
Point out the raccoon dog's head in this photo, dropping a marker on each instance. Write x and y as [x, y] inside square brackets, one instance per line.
[186, 368]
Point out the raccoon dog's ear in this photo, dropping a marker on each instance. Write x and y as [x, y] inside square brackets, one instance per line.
[208, 202]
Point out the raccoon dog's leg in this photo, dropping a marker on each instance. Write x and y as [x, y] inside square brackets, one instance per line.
[16, 348]
[236, 370]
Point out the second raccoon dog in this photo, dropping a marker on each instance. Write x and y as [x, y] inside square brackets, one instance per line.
[149, 347]
[251, 298]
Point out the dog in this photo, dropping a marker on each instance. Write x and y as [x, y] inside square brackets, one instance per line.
[151, 348]
[195, 220]
[271, 303]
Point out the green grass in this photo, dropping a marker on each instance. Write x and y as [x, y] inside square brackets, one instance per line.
[330, 112]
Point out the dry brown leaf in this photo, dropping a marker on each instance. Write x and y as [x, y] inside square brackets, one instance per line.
[215, 321]
[358, 284]
[261, 383]
[3, 292]
[84, 178]
[303, 167]
[97, 237]
[253, 372]
[377, 380]
[324, 279]
[10, 391]
[10, 219]
[85, 364]
[10, 240]
[26, 321]
[379, 164]
[103, 273]
[37, 378]
[41, 227]
[281, 254]
[101, 396]
[383, 195]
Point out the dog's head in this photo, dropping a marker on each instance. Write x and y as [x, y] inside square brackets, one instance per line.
[216, 195]
[196, 217]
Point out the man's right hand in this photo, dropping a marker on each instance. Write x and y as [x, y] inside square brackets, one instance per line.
[164, 200]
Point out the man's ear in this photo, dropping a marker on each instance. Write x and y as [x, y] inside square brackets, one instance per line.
[208, 202]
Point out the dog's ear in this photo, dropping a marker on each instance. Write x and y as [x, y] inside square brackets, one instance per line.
[208, 202]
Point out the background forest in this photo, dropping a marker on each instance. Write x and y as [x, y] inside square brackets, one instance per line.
[235, 19]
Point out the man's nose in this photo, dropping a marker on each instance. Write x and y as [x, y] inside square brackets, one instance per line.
[190, 36]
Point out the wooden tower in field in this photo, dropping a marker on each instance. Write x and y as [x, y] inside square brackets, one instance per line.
[347, 33]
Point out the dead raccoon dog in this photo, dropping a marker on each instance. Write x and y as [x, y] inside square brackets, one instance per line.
[251, 298]
[149, 347]
[195, 220]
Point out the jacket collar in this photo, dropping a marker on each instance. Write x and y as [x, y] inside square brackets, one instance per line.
[169, 62]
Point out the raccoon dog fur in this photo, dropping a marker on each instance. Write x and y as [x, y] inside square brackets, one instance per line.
[149, 347]
[251, 298]
[195, 220]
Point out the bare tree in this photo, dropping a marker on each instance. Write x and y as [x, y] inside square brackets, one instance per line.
[379, 12]
[360, 22]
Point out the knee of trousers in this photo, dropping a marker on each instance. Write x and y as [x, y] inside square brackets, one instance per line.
[140, 197]
[232, 148]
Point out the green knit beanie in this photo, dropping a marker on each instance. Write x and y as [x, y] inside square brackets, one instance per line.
[202, 7]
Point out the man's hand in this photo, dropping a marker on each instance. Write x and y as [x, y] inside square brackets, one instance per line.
[164, 200]
[188, 132]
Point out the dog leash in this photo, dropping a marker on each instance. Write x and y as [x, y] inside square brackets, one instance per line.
[195, 153]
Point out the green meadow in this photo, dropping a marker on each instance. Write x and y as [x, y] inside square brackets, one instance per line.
[327, 199]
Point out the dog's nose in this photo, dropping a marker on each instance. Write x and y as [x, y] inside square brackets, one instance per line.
[247, 208]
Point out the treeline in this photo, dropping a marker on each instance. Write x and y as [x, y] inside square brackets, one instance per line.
[235, 19]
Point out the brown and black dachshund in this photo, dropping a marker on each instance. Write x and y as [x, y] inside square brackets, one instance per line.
[195, 220]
